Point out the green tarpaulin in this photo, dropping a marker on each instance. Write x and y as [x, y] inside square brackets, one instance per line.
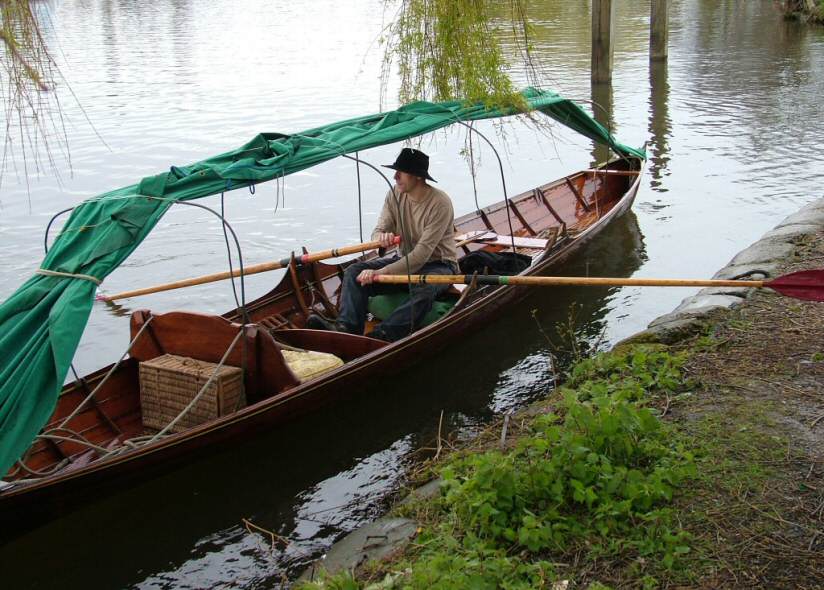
[41, 323]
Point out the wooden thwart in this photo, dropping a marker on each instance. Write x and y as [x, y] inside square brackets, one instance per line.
[488, 237]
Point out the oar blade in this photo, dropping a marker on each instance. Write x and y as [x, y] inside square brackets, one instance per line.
[804, 284]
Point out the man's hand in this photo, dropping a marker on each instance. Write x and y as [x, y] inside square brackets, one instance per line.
[387, 240]
[367, 277]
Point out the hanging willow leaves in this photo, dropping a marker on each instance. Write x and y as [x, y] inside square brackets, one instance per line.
[446, 49]
[33, 117]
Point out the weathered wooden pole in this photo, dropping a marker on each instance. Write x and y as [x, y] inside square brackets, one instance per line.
[658, 30]
[603, 12]
[602, 109]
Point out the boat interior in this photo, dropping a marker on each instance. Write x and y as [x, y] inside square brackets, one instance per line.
[105, 414]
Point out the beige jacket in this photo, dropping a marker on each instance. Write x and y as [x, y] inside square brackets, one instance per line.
[426, 227]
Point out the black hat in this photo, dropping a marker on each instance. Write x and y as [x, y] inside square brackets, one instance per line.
[413, 162]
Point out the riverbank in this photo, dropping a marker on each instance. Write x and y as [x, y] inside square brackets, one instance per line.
[805, 10]
[689, 455]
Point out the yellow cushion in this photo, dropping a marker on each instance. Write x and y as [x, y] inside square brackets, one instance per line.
[310, 364]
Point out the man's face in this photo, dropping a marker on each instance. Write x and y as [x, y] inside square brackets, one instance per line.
[405, 181]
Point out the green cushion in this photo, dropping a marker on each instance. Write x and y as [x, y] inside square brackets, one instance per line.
[381, 306]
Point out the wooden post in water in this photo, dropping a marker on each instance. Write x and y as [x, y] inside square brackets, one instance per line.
[603, 12]
[658, 30]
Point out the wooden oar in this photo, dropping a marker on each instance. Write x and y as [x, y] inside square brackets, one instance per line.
[805, 284]
[249, 270]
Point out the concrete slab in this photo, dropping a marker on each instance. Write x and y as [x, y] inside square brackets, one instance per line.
[788, 232]
[734, 270]
[428, 490]
[373, 541]
[708, 302]
[812, 214]
[742, 292]
[771, 250]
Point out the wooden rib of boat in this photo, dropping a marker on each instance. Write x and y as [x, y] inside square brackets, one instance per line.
[106, 440]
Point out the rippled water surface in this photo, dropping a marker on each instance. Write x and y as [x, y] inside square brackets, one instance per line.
[733, 125]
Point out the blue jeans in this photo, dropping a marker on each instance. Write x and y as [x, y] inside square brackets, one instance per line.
[406, 318]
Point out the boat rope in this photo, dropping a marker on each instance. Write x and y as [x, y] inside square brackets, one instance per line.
[203, 389]
[103, 381]
[83, 442]
[40, 473]
[68, 275]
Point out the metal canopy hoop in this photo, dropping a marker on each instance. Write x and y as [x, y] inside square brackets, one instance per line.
[503, 179]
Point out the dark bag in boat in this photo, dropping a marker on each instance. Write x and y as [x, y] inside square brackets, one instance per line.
[500, 263]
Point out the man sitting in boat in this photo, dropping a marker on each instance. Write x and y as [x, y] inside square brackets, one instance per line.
[422, 215]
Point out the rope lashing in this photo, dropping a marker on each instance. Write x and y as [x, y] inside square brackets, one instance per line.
[68, 275]
[88, 398]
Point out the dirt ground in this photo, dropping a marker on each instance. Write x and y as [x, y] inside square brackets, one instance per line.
[759, 405]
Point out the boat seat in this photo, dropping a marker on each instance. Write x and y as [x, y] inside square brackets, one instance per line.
[206, 337]
[494, 239]
[382, 306]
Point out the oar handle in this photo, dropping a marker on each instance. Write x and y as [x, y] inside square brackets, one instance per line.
[249, 270]
[545, 281]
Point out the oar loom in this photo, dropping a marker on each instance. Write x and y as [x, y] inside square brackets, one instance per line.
[805, 284]
[249, 270]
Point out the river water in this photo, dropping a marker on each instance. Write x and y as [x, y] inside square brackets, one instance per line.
[733, 123]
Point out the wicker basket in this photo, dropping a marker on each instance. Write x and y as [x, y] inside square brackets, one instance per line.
[168, 384]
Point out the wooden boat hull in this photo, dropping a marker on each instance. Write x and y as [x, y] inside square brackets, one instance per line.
[47, 496]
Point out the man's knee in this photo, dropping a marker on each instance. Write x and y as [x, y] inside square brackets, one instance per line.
[354, 270]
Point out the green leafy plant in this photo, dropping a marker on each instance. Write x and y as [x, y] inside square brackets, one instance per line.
[597, 474]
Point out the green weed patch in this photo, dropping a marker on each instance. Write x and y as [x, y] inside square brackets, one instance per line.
[593, 478]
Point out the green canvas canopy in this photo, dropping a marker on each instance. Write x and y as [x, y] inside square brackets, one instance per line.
[41, 323]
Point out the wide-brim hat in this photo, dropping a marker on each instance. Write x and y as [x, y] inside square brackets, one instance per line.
[413, 162]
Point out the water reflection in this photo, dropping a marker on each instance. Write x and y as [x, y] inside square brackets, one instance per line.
[602, 109]
[660, 126]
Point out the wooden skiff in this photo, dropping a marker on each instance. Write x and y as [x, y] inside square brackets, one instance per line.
[105, 441]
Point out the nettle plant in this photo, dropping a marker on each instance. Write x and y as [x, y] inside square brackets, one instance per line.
[601, 471]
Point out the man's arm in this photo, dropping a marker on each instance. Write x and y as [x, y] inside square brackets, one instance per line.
[385, 228]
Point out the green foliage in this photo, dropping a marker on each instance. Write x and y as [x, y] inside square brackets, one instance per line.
[600, 475]
[447, 49]
[628, 374]
[596, 475]
[342, 581]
